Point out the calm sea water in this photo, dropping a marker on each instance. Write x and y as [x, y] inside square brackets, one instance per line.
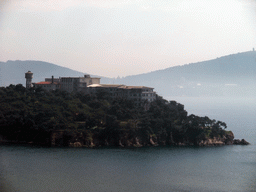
[226, 168]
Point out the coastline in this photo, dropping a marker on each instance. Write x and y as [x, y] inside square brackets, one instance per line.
[132, 143]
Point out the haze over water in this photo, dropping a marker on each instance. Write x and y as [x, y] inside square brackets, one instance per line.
[225, 168]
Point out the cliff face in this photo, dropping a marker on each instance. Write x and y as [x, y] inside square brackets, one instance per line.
[227, 139]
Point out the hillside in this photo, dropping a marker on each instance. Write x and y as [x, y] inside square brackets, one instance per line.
[232, 75]
[59, 118]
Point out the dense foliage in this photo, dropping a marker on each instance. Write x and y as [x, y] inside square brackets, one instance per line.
[32, 115]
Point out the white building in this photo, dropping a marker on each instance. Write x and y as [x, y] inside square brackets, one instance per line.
[69, 84]
[91, 85]
[136, 93]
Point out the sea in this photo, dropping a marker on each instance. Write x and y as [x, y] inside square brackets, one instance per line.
[152, 169]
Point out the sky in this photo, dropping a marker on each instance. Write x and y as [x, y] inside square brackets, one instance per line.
[114, 38]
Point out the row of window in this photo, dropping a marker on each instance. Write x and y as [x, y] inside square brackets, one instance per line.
[144, 90]
[147, 94]
[143, 95]
[143, 99]
[133, 95]
[66, 80]
[57, 86]
[147, 90]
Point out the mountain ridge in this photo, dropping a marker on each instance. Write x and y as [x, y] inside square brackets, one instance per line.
[230, 75]
[211, 78]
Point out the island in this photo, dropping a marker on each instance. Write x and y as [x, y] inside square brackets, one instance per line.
[60, 118]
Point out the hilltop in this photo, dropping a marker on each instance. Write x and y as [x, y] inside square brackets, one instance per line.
[231, 75]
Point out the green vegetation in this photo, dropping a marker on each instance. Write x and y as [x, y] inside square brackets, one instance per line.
[61, 118]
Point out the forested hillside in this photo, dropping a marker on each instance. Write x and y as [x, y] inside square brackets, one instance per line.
[37, 116]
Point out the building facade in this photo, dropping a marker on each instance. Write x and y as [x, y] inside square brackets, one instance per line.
[69, 84]
[137, 93]
[48, 86]
[91, 85]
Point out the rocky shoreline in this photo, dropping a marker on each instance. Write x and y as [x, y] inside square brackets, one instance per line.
[126, 141]
[60, 139]
[210, 142]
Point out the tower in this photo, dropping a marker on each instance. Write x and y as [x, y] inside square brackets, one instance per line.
[29, 76]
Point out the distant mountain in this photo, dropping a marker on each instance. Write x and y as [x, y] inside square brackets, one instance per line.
[232, 75]
[13, 72]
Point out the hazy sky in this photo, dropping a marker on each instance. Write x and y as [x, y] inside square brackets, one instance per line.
[125, 37]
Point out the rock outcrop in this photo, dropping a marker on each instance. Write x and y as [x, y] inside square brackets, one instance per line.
[240, 142]
[212, 142]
